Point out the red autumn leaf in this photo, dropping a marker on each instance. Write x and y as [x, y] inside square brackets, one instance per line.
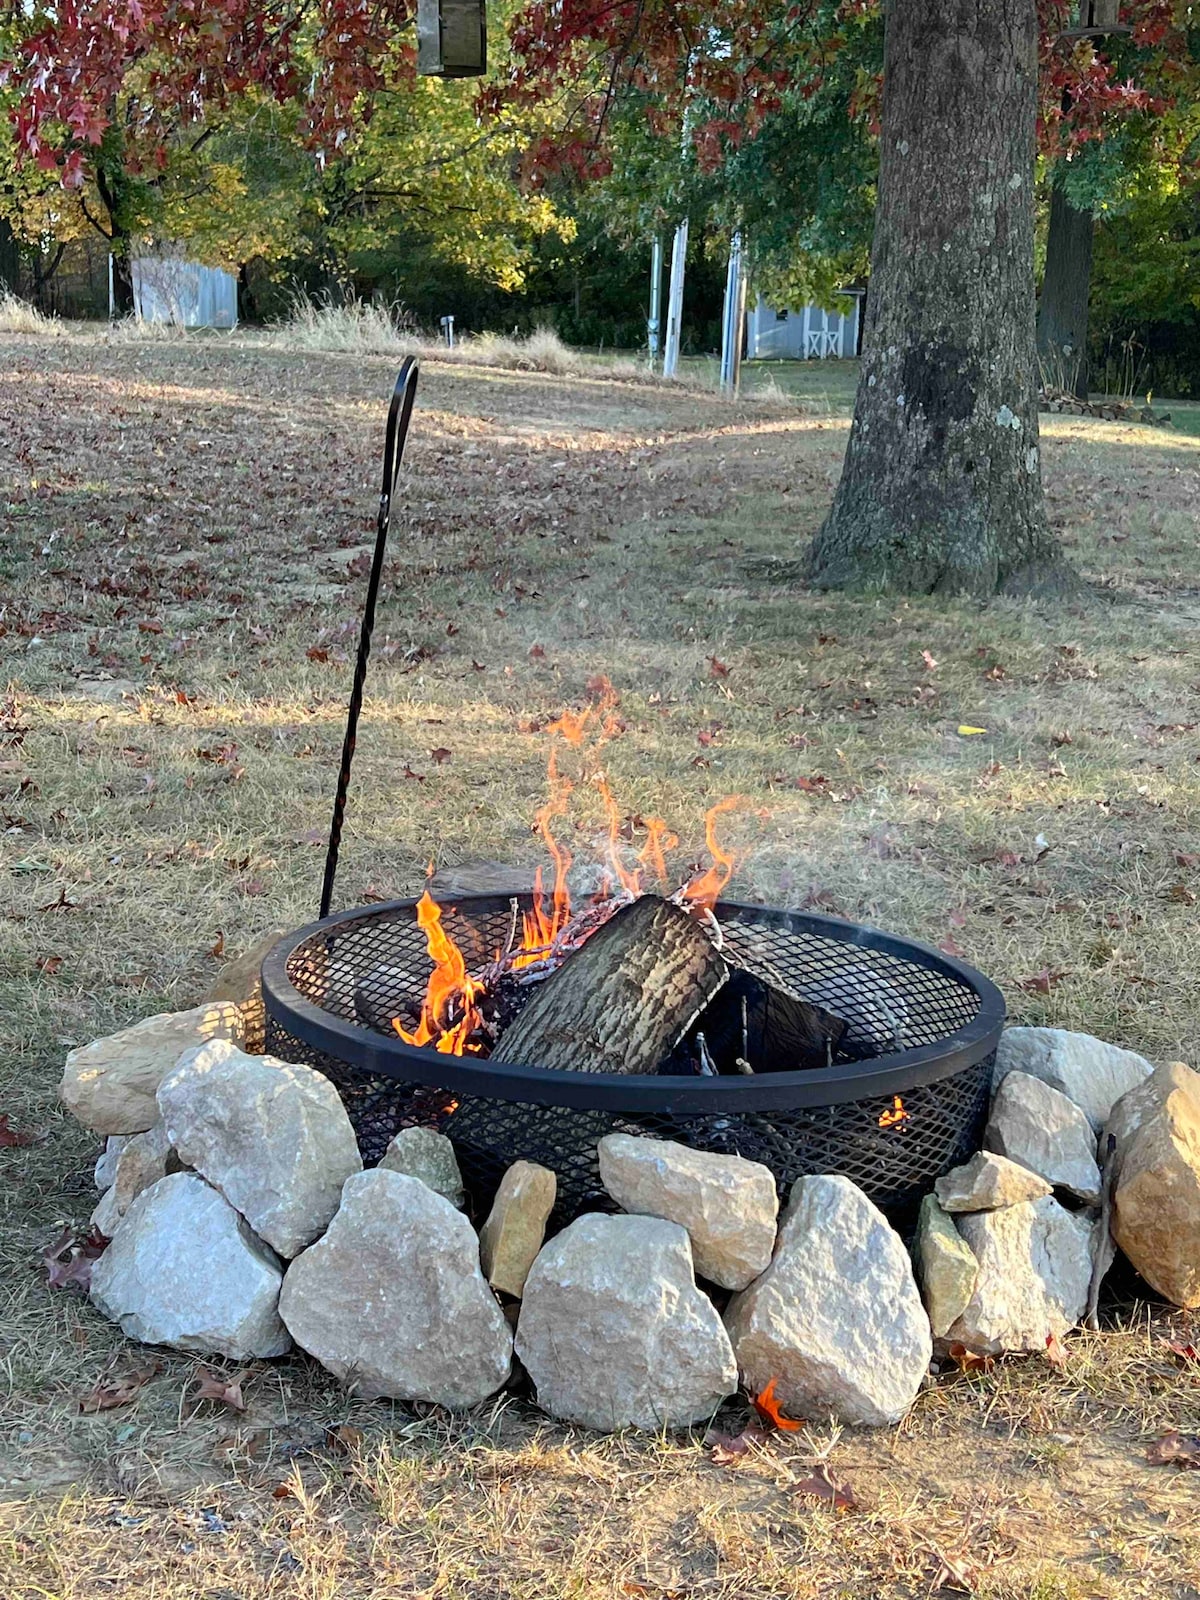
[216, 1387]
[717, 668]
[451, 629]
[1184, 1353]
[1056, 1354]
[726, 1448]
[316, 653]
[120, 1389]
[1042, 982]
[822, 1485]
[440, 756]
[150, 627]
[217, 948]
[928, 661]
[705, 737]
[1181, 1449]
[537, 652]
[418, 777]
[767, 1407]
[951, 947]
[50, 965]
[10, 1137]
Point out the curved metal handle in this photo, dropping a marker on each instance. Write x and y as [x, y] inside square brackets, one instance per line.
[399, 417]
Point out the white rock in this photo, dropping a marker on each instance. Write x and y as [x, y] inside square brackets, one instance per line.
[110, 1085]
[1156, 1203]
[614, 1332]
[946, 1266]
[728, 1205]
[1088, 1071]
[836, 1318]
[185, 1270]
[422, 1153]
[987, 1182]
[1039, 1128]
[146, 1158]
[1035, 1266]
[107, 1215]
[392, 1299]
[106, 1161]
[272, 1137]
[515, 1229]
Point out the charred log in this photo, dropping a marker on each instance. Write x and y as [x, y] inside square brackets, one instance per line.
[625, 999]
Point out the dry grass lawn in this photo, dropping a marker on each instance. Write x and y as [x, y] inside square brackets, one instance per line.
[190, 518]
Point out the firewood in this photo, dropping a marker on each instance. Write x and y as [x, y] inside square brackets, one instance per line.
[624, 1000]
[758, 1019]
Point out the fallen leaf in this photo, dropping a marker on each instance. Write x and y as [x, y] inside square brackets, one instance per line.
[217, 948]
[69, 1259]
[1184, 1353]
[316, 653]
[970, 1360]
[217, 1387]
[344, 1439]
[537, 652]
[281, 1491]
[717, 668]
[150, 627]
[10, 1137]
[418, 777]
[768, 1409]
[822, 1485]
[1056, 1354]
[929, 663]
[118, 1390]
[1181, 894]
[968, 732]
[1183, 1449]
[50, 965]
[728, 1447]
[1183, 859]
[440, 756]
[1042, 982]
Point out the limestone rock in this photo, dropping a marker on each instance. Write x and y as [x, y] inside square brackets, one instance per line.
[1156, 1204]
[1039, 1128]
[107, 1215]
[515, 1229]
[987, 1182]
[422, 1153]
[185, 1270]
[728, 1205]
[392, 1298]
[106, 1161]
[1088, 1071]
[836, 1318]
[110, 1085]
[614, 1332]
[946, 1266]
[274, 1138]
[1035, 1265]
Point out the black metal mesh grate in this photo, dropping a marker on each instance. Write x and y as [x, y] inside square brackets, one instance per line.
[364, 967]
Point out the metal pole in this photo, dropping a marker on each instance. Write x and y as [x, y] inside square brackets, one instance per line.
[732, 315]
[654, 321]
[675, 300]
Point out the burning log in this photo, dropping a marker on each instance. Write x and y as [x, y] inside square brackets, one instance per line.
[625, 999]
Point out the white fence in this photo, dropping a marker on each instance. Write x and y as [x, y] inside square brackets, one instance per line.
[184, 293]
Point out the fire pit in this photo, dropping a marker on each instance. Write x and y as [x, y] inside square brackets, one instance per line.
[904, 1099]
[529, 1027]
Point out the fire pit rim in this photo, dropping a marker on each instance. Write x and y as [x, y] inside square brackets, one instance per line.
[891, 1073]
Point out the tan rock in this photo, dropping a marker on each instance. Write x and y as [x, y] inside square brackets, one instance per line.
[422, 1153]
[1039, 1128]
[272, 1136]
[728, 1205]
[836, 1319]
[1035, 1266]
[1156, 1204]
[946, 1266]
[110, 1085]
[987, 1182]
[515, 1229]
[106, 1162]
[614, 1332]
[392, 1299]
[240, 980]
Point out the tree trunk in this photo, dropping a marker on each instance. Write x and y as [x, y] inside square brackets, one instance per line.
[1063, 310]
[123, 304]
[941, 489]
[10, 259]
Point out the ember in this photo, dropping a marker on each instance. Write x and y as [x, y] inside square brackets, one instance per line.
[894, 1115]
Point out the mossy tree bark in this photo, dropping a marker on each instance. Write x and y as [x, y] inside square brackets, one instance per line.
[941, 489]
[1062, 322]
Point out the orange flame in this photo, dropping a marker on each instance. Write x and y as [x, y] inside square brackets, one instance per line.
[894, 1115]
[704, 890]
[659, 839]
[450, 989]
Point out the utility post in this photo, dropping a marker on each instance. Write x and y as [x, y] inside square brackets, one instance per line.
[654, 321]
[675, 300]
[733, 317]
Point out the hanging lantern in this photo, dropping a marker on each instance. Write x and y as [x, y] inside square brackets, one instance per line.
[451, 38]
